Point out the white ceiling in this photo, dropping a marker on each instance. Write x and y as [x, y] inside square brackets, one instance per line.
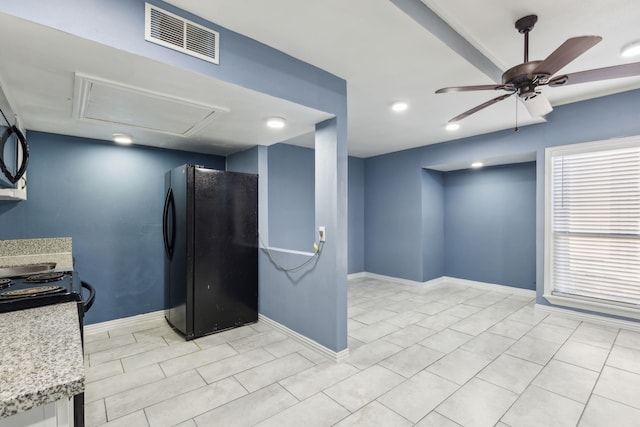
[382, 53]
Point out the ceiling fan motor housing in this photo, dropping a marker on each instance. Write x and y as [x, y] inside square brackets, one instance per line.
[523, 80]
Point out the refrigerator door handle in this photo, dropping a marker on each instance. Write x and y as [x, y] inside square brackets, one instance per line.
[169, 241]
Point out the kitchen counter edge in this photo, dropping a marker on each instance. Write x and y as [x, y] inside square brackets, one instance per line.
[42, 357]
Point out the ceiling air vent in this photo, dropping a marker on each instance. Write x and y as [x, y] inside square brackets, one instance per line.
[169, 30]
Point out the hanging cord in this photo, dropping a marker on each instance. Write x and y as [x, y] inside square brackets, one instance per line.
[318, 249]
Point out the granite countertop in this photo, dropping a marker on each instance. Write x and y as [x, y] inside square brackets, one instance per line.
[35, 251]
[41, 357]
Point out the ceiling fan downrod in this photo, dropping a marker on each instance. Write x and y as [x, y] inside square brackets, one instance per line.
[524, 26]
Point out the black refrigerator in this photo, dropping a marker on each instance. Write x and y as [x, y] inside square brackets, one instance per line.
[210, 230]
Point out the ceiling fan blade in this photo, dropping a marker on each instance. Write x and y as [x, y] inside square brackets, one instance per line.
[477, 87]
[538, 105]
[480, 107]
[606, 73]
[567, 52]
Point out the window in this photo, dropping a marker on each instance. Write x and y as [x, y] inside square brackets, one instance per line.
[592, 238]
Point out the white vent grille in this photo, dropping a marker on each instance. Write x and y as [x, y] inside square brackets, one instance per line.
[169, 30]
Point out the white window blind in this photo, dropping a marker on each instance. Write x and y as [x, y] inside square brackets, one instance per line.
[596, 225]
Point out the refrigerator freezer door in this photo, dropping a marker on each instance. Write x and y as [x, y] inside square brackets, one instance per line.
[225, 250]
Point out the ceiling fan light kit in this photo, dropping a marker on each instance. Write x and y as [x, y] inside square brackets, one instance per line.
[526, 79]
[537, 106]
[630, 49]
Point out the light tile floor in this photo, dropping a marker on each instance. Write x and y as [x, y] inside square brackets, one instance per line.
[437, 356]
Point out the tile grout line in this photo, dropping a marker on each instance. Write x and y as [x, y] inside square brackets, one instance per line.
[595, 383]
[489, 382]
[385, 338]
[538, 374]
[604, 365]
[391, 409]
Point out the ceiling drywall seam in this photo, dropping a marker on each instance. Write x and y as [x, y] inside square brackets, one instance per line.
[430, 21]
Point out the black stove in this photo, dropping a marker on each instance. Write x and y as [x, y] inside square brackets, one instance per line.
[21, 292]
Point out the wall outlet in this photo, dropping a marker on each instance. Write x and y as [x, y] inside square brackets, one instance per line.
[322, 233]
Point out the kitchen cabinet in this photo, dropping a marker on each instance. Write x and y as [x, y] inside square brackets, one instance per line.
[54, 414]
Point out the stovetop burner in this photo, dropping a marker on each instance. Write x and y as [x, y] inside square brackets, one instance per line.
[44, 288]
[28, 292]
[5, 283]
[45, 277]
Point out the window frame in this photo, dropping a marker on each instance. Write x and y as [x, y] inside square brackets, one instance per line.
[567, 300]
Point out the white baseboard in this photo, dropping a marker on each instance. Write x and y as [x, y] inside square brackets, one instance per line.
[96, 328]
[490, 286]
[337, 357]
[443, 280]
[588, 317]
[360, 275]
[159, 315]
[399, 280]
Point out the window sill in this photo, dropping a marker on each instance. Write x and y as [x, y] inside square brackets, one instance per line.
[598, 307]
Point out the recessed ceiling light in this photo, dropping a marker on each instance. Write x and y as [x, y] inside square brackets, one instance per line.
[276, 122]
[399, 106]
[630, 49]
[122, 138]
[452, 126]
[477, 164]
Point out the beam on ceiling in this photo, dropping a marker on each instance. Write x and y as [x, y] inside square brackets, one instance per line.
[430, 21]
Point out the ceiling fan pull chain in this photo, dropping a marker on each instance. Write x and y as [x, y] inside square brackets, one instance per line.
[517, 129]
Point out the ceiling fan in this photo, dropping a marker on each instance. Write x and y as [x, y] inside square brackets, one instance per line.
[526, 79]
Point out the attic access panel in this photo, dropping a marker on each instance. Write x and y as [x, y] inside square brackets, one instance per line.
[114, 103]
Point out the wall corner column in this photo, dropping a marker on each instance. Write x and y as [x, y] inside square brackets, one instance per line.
[331, 180]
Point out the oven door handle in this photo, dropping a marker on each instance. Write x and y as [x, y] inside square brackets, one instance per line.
[92, 295]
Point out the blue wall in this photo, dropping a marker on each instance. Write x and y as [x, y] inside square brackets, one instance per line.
[291, 197]
[490, 224]
[109, 200]
[393, 225]
[243, 161]
[312, 300]
[392, 196]
[356, 215]
[433, 220]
